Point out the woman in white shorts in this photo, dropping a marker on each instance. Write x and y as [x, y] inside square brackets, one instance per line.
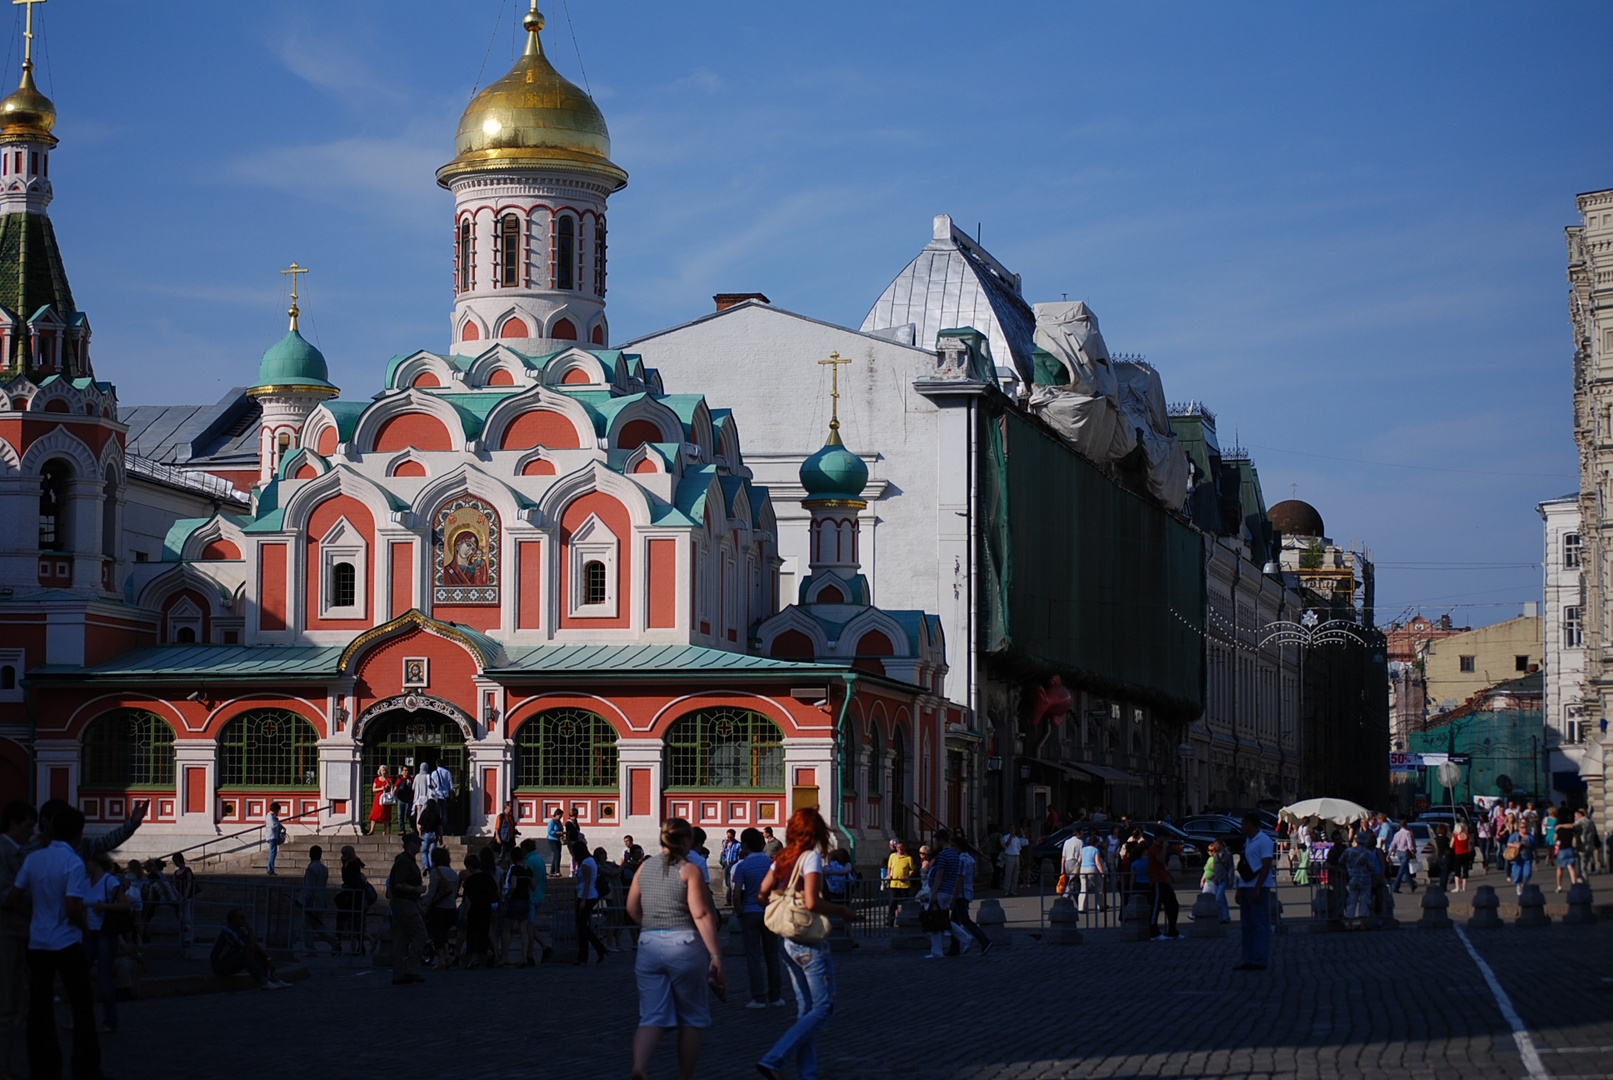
[677, 950]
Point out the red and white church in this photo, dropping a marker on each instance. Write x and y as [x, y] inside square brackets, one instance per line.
[523, 557]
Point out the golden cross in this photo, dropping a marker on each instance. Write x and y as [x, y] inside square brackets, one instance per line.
[834, 363]
[294, 271]
[28, 32]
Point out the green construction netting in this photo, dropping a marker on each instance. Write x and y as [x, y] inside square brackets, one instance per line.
[1089, 580]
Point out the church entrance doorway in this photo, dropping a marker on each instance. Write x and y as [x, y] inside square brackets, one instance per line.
[419, 739]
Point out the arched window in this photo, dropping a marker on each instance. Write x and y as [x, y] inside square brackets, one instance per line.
[128, 748]
[509, 250]
[109, 515]
[343, 585]
[53, 480]
[599, 260]
[594, 591]
[728, 748]
[268, 748]
[565, 254]
[185, 635]
[565, 748]
[464, 256]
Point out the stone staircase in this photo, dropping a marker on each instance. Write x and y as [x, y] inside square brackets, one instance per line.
[376, 852]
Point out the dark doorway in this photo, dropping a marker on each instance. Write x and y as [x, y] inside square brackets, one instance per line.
[400, 737]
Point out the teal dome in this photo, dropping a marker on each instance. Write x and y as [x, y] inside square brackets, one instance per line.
[291, 361]
[834, 472]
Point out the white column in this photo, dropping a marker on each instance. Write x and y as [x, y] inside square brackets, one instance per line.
[198, 818]
[339, 780]
[818, 757]
[497, 754]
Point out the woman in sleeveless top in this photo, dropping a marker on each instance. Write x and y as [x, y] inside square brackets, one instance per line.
[809, 967]
[677, 950]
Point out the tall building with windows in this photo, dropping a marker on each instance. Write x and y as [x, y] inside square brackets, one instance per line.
[523, 558]
[1590, 314]
[1563, 647]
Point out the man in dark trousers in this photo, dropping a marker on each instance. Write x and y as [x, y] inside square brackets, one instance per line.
[53, 879]
[405, 887]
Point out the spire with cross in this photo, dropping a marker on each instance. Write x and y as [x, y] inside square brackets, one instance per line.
[294, 270]
[28, 33]
[834, 362]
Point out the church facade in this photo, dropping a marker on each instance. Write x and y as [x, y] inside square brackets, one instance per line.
[523, 558]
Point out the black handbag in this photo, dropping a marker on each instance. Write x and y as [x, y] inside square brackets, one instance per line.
[935, 920]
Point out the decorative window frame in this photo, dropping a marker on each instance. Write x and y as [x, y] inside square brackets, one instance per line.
[593, 542]
[16, 659]
[343, 543]
[182, 615]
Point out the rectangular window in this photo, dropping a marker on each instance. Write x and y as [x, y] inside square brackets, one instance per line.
[33, 161]
[1573, 632]
[1571, 545]
[1466, 663]
[1520, 663]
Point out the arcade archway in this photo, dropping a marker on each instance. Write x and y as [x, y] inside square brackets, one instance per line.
[400, 737]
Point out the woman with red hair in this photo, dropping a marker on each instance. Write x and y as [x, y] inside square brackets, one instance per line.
[810, 970]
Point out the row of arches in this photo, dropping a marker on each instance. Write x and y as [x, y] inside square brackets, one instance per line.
[537, 249]
[728, 748]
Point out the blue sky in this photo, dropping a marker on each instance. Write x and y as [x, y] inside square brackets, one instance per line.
[1340, 227]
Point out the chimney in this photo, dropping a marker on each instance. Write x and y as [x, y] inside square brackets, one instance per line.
[726, 300]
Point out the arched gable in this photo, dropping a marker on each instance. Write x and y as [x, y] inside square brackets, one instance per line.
[10, 463]
[60, 443]
[340, 480]
[183, 579]
[647, 459]
[408, 373]
[217, 530]
[872, 621]
[409, 463]
[343, 524]
[320, 433]
[388, 422]
[644, 420]
[575, 361]
[471, 328]
[594, 477]
[303, 464]
[467, 480]
[500, 358]
[792, 621]
[523, 420]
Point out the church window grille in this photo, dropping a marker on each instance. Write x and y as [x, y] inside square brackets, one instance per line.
[725, 748]
[128, 748]
[343, 585]
[509, 246]
[463, 256]
[565, 254]
[599, 257]
[53, 506]
[594, 591]
[565, 748]
[268, 748]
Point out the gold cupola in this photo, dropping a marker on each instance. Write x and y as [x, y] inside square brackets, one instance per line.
[25, 113]
[532, 118]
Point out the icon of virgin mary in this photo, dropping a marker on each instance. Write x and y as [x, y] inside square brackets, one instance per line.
[469, 562]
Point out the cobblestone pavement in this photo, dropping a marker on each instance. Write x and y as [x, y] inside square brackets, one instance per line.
[1410, 1003]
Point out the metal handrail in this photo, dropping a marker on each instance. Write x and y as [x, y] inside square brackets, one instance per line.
[250, 829]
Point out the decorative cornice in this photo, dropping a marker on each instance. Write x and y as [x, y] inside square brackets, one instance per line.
[413, 619]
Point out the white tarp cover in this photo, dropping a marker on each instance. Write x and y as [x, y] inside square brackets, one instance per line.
[1107, 407]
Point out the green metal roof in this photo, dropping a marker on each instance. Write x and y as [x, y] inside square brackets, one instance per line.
[346, 414]
[32, 276]
[646, 660]
[208, 661]
[178, 533]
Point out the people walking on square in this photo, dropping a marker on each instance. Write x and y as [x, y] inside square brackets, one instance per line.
[941, 878]
[1359, 866]
[1253, 880]
[104, 908]
[771, 845]
[540, 891]
[405, 887]
[556, 836]
[587, 874]
[962, 923]
[314, 899]
[353, 901]
[438, 907]
[1520, 856]
[381, 809]
[504, 830]
[1483, 842]
[54, 881]
[1093, 870]
[430, 825]
[1564, 854]
[761, 944]
[901, 877]
[275, 833]
[480, 892]
[1442, 863]
[1588, 842]
[1462, 855]
[185, 896]
[403, 801]
[1013, 843]
[1163, 886]
[1403, 850]
[800, 866]
[679, 955]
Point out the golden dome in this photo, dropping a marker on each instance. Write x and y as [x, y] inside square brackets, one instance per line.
[27, 112]
[532, 116]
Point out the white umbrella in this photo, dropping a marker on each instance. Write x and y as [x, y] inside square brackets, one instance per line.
[1336, 811]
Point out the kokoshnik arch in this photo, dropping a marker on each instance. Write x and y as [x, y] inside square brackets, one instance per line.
[523, 558]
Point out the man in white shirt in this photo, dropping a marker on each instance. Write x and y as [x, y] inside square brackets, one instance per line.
[1013, 844]
[1070, 863]
[56, 882]
[1253, 877]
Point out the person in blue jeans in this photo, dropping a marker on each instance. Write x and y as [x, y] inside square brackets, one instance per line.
[761, 944]
[277, 834]
[557, 833]
[800, 866]
[1254, 900]
[1523, 867]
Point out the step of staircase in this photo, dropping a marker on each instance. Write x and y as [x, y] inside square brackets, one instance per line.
[293, 859]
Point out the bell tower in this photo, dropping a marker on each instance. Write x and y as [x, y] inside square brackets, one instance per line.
[531, 175]
[292, 380]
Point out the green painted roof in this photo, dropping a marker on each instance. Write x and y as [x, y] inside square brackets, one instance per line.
[32, 277]
[178, 533]
[346, 414]
[646, 660]
[202, 661]
[834, 472]
[292, 360]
